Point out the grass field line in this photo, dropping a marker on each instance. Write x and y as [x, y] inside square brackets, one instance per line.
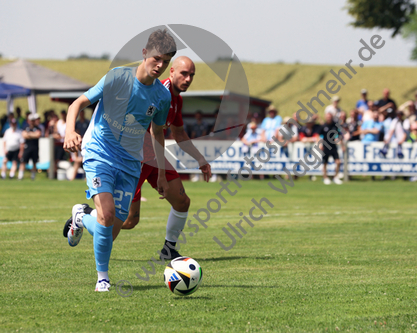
[230, 216]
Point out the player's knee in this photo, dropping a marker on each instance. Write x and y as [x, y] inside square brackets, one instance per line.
[185, 204]
[106, 218]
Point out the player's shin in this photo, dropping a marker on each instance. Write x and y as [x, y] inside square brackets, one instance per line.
[103, 243]
[89, 223]
[175, 224]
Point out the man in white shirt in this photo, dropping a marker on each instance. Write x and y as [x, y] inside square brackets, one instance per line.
[334, 108]
[13, 148]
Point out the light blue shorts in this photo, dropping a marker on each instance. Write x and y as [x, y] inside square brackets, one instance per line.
[101, 178]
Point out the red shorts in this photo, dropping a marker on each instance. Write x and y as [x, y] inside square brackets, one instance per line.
[150, 173]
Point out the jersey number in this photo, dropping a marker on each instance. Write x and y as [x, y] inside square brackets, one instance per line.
[118, 197]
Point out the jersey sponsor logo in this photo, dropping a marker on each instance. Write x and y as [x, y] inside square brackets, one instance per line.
[129, 119]
[96, 182]
[120, 99]
[151, 110]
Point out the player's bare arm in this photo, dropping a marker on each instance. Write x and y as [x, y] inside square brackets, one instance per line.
[185, 143]
[73, 140]
[158, 141]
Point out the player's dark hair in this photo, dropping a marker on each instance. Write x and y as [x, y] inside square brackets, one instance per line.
[163, 42]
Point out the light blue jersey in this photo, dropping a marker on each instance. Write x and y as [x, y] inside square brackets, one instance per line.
[116, 132]
[270, 125]
[371, 124]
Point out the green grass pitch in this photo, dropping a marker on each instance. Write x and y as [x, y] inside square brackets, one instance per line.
[323, 259]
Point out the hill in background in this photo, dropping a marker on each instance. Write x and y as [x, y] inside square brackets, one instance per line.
[283, 84]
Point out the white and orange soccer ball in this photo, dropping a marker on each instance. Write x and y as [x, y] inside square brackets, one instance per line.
[183, 276]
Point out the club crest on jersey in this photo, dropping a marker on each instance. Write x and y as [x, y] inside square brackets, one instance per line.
[96, 182]
[151, 110]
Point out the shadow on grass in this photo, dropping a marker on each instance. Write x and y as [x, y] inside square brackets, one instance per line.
[203, 259]
[191, 298]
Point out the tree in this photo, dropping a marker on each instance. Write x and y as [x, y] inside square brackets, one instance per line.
[410, 32]
[385, 14]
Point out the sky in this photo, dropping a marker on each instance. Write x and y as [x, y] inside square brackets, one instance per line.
[267, 31]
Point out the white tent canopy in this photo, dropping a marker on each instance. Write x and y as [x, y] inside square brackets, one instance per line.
[38, 79]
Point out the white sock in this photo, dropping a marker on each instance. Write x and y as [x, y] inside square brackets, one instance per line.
[175, 224]
[11, 175]
[3, 175]
[94, 213]
[103, 275]
[20, 176]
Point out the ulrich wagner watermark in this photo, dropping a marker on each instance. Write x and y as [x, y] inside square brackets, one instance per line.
[259, 207]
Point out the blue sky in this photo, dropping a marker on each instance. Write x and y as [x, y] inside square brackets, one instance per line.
[314, 32]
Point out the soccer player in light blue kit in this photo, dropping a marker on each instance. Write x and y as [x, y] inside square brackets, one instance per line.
[129, 100]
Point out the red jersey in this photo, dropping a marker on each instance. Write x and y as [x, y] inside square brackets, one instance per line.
[174, 117]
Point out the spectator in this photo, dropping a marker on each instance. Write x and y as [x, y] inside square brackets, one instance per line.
[290, 136]
[413, 133]
[362, 104]
[396, 135]
[31, 134]
[368, 115]
[309, 132]
[371, 128]
[410, 106]
[26, 121]
[47, 117]
[82, 124]
[385, 102]
[37, 120]
[59, 136]
[20, 119]
[354, 126]
[200, 127]
[13, 148]
[334, 108]
[252, 137]
[389, 116]
[52, 121]
[329, 147]
[270, 124]
[343, 121]
[3, 121]
[6, 125]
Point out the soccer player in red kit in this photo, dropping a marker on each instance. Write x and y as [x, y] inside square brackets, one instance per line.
[181, 76]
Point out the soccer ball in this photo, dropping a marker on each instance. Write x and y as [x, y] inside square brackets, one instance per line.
[183, 276]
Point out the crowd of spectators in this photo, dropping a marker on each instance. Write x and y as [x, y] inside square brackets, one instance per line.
[368, 121]
[21, 139]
